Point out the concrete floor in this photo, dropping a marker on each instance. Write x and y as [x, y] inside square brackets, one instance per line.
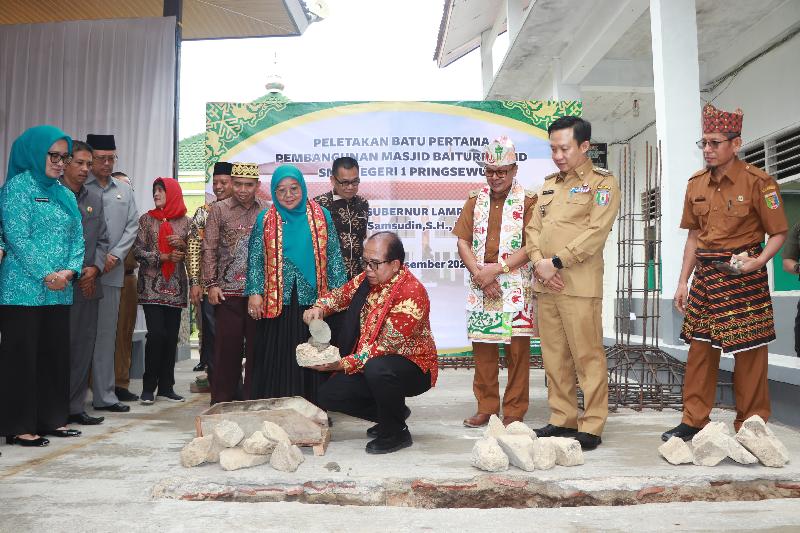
[125, 474]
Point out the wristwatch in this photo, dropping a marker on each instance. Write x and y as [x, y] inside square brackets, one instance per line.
[557, 262]
[503, 265]
[797, 268]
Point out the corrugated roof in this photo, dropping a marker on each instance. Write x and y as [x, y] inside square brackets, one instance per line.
[192, 154]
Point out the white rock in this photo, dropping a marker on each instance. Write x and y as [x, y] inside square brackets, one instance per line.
[676, 451]
[762, 442]
[520, 428]
[710, 429]
[286, 457]
[275, 433]
[488, 455]
[568, 451]
[228, 433]
[711, 449]
[518, 449]
[215, 450]
[258, 444]
[196, 451]
[308, 355]
[739, 453]
[495, 428]
[236, 458]
[544, 454]
[320, 331]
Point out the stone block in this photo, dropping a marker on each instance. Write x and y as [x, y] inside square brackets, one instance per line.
[196, 451]
[228, 434]
[762, 442]
[285, 457]
[258, 444]
[520, 428]
[518, 449]
[495, 428]
[488, 455]
[676, 451]
[568, 451]
[308, 355]
[215, 450]
[275, 433]
[236, 458]
[544, 454]
[739, 453]
[711, 449]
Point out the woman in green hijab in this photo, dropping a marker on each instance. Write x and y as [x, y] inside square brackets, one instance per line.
[294, 256]
[44, 253]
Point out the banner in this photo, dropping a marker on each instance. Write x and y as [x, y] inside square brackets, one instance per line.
[417, 163]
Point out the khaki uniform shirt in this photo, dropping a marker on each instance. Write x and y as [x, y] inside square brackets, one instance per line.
[734, 210]
[466, 221]
[574, 216]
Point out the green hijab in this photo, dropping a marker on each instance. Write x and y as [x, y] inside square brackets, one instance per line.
[29, 152]
[297, 246]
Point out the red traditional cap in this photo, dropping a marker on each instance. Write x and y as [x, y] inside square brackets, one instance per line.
[718, 121]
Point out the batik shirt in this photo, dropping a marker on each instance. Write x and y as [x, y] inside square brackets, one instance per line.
[350, 217]
[152, 288]
[193, 257]
[225, 245]
[395, 320]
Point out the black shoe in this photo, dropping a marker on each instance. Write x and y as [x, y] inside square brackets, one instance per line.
[41, 441]
[391, 443]
[587, 440]
[124, 395]
[682, 431]
[199, 367]
[147, 398]
[62, 433]
[114, 408]
[171, 396]
[555, 431]
[373, 431]
[86, 420]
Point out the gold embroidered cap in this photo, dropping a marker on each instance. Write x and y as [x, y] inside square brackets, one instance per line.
[244, 170]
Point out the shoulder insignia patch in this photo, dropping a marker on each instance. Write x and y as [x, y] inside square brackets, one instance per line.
[768, 188]
[756, 171]
[551, 176]
[602, 171]
[698, 173]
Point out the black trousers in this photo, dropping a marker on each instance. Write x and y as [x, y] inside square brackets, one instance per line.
[163, 323]
[378, 394]
[34, 368]
[209, 328]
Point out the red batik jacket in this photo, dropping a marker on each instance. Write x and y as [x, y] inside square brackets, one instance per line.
[395, 320]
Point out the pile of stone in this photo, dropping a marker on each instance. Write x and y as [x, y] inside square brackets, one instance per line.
[227, 446]
[753, 443]
[518, 446]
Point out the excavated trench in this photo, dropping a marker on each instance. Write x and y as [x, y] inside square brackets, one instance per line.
[484, 492]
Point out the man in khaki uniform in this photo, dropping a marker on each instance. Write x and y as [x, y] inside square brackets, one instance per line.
[500, 303]
[729, 207]
[565, 239]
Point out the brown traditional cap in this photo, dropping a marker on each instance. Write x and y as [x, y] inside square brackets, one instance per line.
[718, 121]
[244, 170]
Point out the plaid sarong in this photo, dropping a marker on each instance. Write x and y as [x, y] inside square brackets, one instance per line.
[732, 312]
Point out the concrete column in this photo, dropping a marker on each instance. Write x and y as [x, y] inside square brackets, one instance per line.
[676, 77]
[514, 12]
[487, 68]
[561, 90]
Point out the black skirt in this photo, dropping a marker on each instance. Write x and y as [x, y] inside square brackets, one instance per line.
[275, 370]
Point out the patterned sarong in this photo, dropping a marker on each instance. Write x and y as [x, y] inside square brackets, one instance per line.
[497, 320]
[732, 312]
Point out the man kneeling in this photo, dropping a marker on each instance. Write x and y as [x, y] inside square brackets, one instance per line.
[387, 333]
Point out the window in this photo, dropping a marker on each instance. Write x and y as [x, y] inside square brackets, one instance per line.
[778, 156]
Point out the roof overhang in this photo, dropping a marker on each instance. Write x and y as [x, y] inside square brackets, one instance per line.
[202, 19]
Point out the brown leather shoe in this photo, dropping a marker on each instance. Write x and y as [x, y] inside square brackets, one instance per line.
[478, 420]
[508, 419]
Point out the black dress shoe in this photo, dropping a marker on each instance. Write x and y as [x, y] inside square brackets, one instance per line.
[587, 440]
[555, 431]
[682, 431]
[86, 420]
[390, 443]
[124, 395]
[114, 408]
[62, 433]
[373, 431]
[199, 367]
[37, 443]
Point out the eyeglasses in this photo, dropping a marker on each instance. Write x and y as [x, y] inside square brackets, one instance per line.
[106, 158]
[57, 157]
[702, 143]
[283, 192]
[500, 173]
[373, 264]
[352, 183]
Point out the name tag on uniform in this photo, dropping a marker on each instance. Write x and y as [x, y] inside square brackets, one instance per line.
[551, 191]
[41, 200]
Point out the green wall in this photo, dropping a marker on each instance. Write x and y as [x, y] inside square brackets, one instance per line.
[783, 280]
